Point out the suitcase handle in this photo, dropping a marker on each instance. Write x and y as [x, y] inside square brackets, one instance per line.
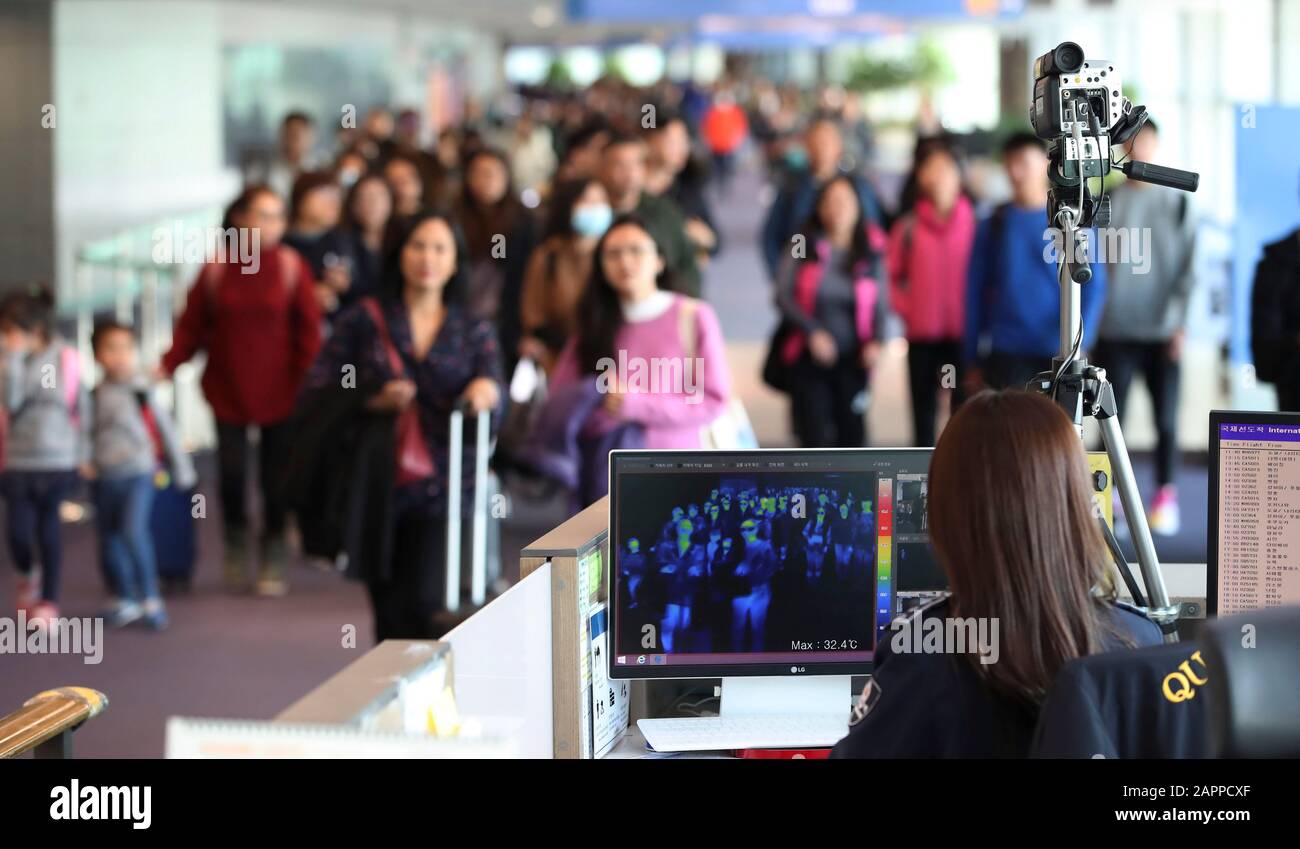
[455, 454]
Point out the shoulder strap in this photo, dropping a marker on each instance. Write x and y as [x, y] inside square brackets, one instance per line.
[150, 423]
[372, 307]
[70, 367]
[687, 325]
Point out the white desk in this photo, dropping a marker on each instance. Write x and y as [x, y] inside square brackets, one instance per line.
[502, 661]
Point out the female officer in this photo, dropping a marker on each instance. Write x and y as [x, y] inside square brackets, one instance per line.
[1011, 521]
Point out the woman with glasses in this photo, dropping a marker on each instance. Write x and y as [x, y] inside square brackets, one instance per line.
[657, 357]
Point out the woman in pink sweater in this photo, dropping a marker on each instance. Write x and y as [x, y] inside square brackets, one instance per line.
[657, 356]
[928, 251]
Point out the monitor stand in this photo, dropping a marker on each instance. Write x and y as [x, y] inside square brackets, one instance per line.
[815, 695]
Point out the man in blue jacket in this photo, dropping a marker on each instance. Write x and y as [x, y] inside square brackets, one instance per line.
[1013, 299]
[793, 206]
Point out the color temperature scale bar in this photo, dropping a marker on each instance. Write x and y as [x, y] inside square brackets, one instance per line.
[884, 549]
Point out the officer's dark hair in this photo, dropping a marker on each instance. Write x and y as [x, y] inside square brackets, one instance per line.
[1012, 524]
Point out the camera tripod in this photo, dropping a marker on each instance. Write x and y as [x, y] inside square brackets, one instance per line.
[1082, 390]
[1079, 108]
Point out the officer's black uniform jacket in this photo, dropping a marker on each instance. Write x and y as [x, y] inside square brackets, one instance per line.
[936, 706]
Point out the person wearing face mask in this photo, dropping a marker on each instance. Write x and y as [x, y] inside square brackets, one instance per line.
[448, 357]
[257, 318]
[559, 269]
[350, 167]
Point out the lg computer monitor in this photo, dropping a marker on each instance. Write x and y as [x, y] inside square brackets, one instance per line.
[766, 562]
[1254, 511]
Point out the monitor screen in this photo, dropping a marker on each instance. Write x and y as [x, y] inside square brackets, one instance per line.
[1254, 511]
[764, 562]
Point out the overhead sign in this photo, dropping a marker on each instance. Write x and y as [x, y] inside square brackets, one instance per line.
[692, 10]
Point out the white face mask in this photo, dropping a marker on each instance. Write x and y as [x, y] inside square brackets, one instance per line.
[592, 219]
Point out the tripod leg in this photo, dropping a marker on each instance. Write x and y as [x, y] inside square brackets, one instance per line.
[1121, 563]
[1164, 615]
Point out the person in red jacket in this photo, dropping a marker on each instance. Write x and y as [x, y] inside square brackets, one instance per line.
[929, 248]
[256, 315]
[724, 129]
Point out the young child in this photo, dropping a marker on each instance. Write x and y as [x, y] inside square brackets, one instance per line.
[45, 401]
[131, 435]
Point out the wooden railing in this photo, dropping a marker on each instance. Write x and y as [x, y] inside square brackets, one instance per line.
[45, 722]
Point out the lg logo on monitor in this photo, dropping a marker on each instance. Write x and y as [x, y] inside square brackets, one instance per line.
[795, 670]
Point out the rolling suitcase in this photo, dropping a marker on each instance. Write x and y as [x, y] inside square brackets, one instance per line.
[171, 524]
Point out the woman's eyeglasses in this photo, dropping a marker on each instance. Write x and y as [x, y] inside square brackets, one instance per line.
[633, 251]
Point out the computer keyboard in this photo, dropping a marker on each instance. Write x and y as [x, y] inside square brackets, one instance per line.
[777, 731]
